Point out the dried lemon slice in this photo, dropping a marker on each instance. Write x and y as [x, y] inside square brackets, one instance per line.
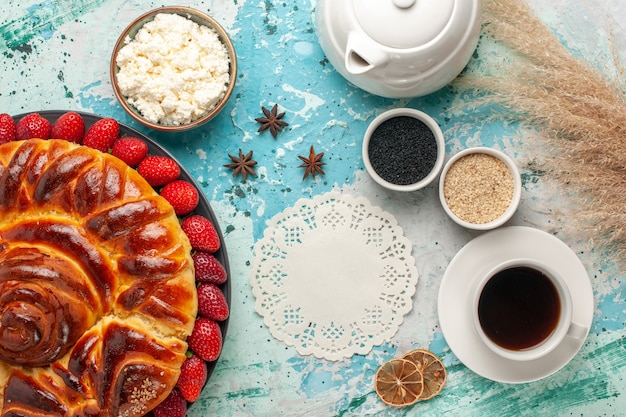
[432, 369]
[399, 382]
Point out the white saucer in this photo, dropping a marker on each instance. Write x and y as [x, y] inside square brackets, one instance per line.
[471, 262]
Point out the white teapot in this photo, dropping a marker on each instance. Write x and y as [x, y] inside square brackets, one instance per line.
[398, 48]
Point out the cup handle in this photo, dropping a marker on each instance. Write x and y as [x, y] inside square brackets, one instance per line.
[576, 331]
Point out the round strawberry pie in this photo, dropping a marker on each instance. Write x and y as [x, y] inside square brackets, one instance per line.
[97, 291]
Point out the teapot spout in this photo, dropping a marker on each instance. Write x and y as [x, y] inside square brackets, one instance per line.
[363, 55]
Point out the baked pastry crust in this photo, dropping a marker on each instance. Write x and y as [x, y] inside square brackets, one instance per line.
[97, 290]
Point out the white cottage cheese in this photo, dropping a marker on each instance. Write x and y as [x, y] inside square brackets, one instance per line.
[174, 71]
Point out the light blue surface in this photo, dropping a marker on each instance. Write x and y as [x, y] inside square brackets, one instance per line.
[56, 56]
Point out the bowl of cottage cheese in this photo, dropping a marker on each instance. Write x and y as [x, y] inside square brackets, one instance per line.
[173, 68]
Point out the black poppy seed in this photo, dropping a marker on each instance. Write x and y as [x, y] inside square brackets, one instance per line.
[402, 150]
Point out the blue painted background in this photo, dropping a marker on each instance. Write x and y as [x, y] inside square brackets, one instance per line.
[55, 55]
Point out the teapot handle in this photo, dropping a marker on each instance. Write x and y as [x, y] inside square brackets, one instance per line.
[363, 55]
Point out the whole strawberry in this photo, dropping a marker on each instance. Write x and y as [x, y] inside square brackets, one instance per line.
[32, 126]
[102, 134]
[69, 126]
[7, 128]
[201, 233]
[212, 302]
[182, 195]
[206, 339]
[174, 405]
[130, 150]
[208, 268]
[158, 170]
[193, 375]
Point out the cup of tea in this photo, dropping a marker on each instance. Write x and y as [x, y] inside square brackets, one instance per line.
[523, 310]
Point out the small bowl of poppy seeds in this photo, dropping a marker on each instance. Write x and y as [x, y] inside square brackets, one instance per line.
[403, 149]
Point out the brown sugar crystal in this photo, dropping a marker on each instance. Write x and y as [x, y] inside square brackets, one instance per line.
[478, 188]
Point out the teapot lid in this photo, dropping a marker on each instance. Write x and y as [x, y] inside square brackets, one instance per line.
[403, 23]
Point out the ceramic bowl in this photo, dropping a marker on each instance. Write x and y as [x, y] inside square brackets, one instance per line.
[478, 203]
[201, 19]
[411, 157]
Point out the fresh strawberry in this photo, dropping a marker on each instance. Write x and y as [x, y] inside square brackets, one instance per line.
[102, 134]
[212, 302]
[208, 268]
[7, 128]
[193, 375]
[158, 170]
[69, 126]
[201, 233]
[130, 150]
[172, 406]
[182, 195]
[32, 126]
[206, 339]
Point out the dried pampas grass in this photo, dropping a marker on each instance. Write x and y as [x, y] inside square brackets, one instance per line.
[580, 115]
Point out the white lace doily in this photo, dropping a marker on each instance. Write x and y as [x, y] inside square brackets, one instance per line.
[333, 276]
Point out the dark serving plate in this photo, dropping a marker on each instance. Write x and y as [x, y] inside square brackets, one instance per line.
[203, 209]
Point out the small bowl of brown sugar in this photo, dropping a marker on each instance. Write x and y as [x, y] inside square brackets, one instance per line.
[480, 188]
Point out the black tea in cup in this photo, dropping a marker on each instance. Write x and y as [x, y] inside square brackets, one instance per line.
[519, 307]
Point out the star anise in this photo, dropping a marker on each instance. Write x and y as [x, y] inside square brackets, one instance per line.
[271, 120]
[243, 165]
[312, 164]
